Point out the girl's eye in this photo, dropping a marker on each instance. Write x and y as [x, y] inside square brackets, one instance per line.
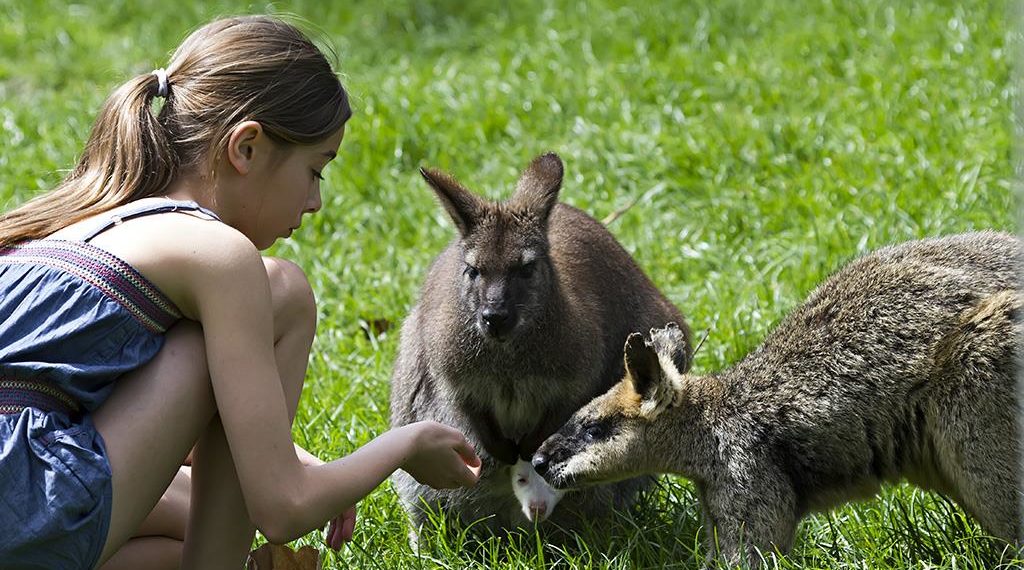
[318, 174]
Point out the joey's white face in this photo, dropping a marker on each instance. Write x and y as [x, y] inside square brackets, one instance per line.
[535, 496]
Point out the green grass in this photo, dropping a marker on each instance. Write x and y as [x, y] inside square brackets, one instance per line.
[767, 142]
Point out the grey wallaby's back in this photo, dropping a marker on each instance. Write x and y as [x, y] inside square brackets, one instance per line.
[901, 365]
[520, 321]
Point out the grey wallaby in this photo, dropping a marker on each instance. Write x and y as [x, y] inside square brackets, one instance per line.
[520, 321]
[901, 365]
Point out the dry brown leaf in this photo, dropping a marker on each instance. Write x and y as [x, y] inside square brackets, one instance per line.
[279, 557]
[374, 327]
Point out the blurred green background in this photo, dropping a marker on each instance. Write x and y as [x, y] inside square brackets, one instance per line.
[764, 143]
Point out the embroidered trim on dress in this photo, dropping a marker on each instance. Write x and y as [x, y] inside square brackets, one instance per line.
[16, 395]
[105, 271]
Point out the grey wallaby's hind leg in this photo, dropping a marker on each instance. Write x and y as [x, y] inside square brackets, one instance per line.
[977, 363]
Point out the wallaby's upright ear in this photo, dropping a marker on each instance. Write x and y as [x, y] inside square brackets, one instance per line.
[644, 371]
[670, 345]
[464, 207]
[646, 362]
[537, 189]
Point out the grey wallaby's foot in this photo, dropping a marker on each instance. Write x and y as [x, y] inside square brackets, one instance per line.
[520, 321]
[902, 365]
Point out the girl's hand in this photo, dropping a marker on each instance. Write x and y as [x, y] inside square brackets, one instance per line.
[341, 529]
[440, 456]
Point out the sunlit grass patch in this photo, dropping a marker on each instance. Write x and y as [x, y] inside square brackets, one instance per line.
[765, 144]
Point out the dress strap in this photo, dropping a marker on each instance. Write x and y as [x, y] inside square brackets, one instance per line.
[135, 210]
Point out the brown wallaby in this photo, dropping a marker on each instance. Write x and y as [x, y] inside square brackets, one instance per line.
[520, 322]
[901, 365]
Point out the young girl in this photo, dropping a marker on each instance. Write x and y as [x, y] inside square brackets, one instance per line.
[138, 321]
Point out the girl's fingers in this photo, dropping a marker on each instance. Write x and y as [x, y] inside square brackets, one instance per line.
[341, 529]
[330, 527]
[348, 525]
[468, 454]
[332, 532]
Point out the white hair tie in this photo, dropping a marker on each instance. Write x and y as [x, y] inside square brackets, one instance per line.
[161, 76]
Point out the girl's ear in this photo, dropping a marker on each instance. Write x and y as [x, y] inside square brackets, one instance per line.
[243, 143]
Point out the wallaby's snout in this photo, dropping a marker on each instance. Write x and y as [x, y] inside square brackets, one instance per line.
[497, 321]
[535, 496]
[497, 316]
[548, 461]
[541, 463]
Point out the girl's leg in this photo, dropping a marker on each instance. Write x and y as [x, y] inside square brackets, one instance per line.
[149, 423]
[158, 543]
[159, 411]
[218, 505]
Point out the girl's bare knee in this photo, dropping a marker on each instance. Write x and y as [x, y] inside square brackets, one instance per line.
[294, 313]
[292, 296]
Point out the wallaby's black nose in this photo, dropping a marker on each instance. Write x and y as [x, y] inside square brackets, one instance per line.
[540, 463]
[496, 320]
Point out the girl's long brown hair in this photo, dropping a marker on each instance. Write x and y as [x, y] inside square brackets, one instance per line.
[231, 70]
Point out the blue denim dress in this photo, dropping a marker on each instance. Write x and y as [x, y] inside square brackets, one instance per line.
[73, 319]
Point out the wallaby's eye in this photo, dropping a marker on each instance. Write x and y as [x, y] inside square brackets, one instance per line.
[595, 431]
[526, 270]
[472, 272]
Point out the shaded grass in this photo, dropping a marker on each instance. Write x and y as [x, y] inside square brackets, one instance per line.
[768, 143]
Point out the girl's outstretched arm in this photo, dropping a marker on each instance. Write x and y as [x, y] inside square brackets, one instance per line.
[227, 290]
[434, 454]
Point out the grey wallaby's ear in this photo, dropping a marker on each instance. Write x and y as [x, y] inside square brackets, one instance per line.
[463, 206]
[656, 386]
[670, 345]
[537, 189]
[644, 371]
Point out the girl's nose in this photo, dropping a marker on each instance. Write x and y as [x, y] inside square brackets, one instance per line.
[314, 203]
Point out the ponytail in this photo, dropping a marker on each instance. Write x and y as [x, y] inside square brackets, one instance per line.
[127, 157]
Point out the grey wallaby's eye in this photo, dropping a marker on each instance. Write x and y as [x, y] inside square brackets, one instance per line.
[595, 431]
[471, 272]
[526, 270]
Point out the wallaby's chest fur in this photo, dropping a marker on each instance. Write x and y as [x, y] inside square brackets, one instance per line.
[573, 294]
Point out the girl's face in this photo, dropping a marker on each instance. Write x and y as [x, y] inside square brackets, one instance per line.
[285, 187]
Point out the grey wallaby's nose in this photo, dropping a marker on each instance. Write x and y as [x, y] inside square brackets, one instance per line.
[540, 463]
[496, 320]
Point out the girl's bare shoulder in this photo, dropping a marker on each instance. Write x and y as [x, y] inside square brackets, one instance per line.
[186, 256]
